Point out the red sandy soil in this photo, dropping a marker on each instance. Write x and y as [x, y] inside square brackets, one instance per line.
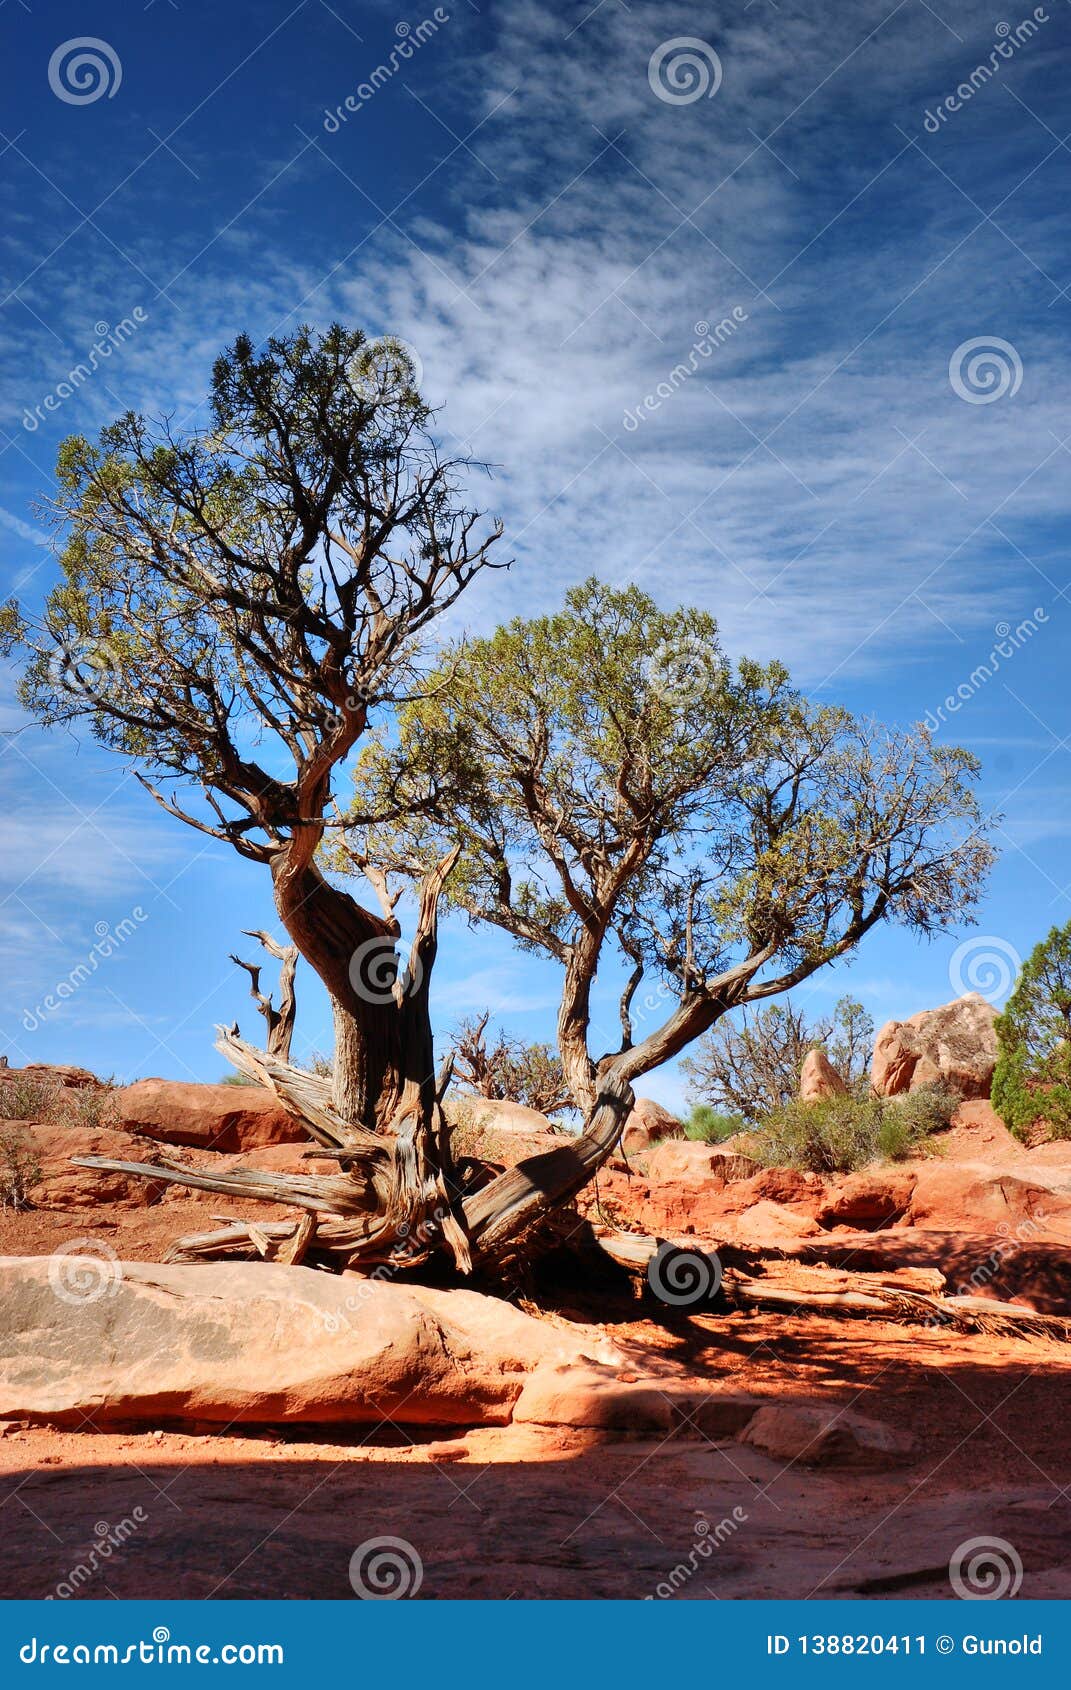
[519, 1512]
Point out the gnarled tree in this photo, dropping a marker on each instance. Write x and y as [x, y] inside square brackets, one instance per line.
[236, 605]
[278, 1020]
[621, 794]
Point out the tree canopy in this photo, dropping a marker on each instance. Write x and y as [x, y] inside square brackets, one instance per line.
[615, 783]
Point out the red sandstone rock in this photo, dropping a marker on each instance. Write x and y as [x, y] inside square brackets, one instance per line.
[819, 1079]
[228, 1118]
[953, 1046]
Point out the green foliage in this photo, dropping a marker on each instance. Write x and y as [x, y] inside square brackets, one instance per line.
[840, 1134]
[708, 1126]
[1032, 1079]
[238, 1080]
[20, 1169]
[612, 778]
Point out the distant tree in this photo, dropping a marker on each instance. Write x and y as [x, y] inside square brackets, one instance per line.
[507, 1068]
[1032, 1079]
[617, 789]
[751, 1065]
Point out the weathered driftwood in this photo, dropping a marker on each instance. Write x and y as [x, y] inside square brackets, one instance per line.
[279, 1022]
[911, 1295]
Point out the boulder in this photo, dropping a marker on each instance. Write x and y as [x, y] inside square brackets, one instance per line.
[606, 1400]
[685, 1159]
[64, 1187]
[954, 1046]
[869, 1199]
[228, 1118]
[88, 1336]
[647, 1124]
[821, 1435]
[819, 1079]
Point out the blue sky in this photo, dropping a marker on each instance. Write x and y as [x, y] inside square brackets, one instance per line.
[838, 481]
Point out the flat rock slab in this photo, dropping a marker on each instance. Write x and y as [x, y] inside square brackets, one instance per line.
[238, 1342]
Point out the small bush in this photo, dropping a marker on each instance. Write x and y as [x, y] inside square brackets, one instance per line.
[708, 1126]
[26, 1098]
[238, 1080]
[20, 1170]
[840, 1134]
[87, 1107]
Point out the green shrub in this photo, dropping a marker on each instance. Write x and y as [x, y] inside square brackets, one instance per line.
[840, 1134]
[1032, 1079]
[20, 1170]
[708, 1126]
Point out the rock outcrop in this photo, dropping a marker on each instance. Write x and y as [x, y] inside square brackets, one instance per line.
[954, 1046]
[819, 1079]
[647, 1125]
[87, 1335]
[228, 1118]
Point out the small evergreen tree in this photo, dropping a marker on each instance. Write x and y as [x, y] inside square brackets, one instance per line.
[1032, 1081]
